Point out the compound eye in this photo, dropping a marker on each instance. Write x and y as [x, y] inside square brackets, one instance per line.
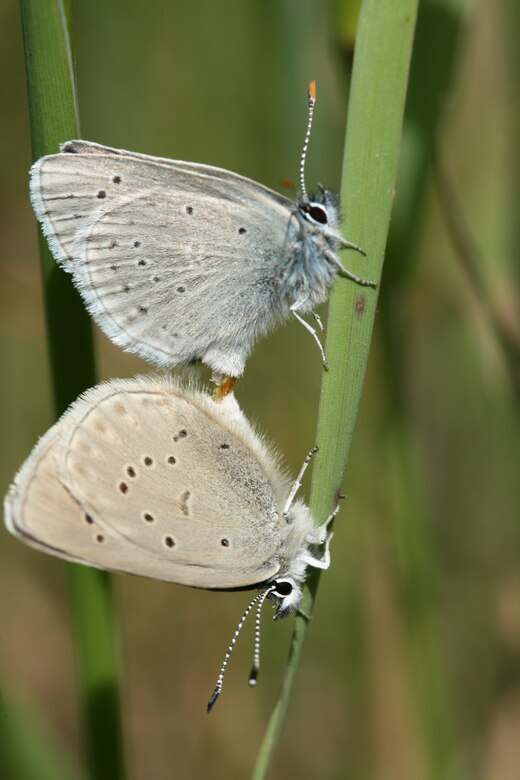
[318, 213]
[283, 588]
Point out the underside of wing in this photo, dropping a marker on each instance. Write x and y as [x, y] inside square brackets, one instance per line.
[177, 262]
[41, 512]
[209, 171]
[165, 477]
[140, 480]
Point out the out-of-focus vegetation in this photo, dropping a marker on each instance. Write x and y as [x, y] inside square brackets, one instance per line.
[411, 669]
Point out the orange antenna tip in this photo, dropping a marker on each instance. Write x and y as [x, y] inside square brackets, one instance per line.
[312, 90]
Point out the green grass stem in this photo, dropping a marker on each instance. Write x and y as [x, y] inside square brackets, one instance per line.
[377, 96]
[29, 749]
[54, 118]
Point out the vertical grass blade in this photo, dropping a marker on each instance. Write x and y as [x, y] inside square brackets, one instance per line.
[29, 749]
[53, 113]
[377, 96]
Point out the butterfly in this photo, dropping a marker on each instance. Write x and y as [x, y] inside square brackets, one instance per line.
[181, 262]
[152, 477]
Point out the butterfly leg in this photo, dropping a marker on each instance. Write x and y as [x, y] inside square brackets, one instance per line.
[318, 321]
[294, 311]
[324, 561]
[350, 245]
[348, 274]
[298, 481]
[321, 533]
[304, 615]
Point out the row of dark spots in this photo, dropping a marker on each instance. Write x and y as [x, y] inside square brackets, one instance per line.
[169, 541]
[155, 278]
[173, 334]
[114, 243]
[189, 210]
[132, 473]
[102, 193]
[142, 262]
[90, 520]
[127, 287]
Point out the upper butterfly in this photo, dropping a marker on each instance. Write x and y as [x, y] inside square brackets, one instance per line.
[181, 262]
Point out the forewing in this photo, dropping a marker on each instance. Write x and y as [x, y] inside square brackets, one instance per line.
[41, 512]
[174, 260]
[167, 479]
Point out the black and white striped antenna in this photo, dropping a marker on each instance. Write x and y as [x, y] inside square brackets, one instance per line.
[258, 599]
[312, 101]
[253, 674]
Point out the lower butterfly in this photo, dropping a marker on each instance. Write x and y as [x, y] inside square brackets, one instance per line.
[150, 477]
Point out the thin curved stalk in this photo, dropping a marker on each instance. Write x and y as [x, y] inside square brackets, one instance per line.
[377, 96]
[53, 111]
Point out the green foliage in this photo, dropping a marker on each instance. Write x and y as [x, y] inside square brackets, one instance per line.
[54, 118]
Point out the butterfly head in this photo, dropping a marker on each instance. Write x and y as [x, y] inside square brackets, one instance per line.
[321, 210]
[286, 595]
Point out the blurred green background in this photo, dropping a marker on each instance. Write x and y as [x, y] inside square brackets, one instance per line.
[412, 665]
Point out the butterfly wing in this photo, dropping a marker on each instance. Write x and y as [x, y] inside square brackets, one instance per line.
[145, 477]
[40, 511]
[176, 261]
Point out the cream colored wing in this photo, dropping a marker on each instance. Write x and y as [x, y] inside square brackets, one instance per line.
[41, 512]
[147, 477]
